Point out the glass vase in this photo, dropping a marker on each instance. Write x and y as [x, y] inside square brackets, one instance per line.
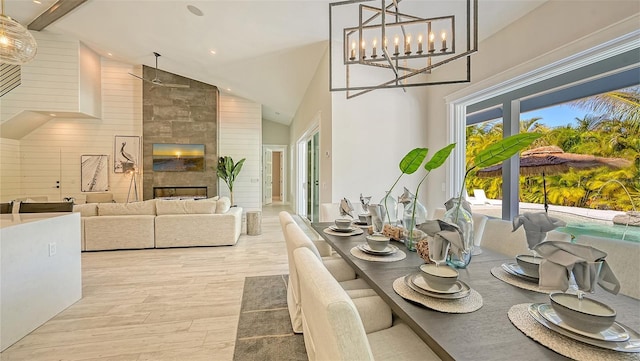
[414, 214]
[390, 209]
[459, 214]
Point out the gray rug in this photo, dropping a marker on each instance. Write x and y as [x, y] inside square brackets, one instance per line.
[264, 328]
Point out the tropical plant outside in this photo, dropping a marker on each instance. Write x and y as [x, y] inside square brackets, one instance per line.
[615, 134]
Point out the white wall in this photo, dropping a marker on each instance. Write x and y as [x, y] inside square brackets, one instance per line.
[240, 136]
[316, 105]
[274, 133]
[553, 31]
[9, 169]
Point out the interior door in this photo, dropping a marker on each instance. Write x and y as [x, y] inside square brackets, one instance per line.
[267, 188]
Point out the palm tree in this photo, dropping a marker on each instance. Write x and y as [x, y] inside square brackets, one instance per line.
[621, 104]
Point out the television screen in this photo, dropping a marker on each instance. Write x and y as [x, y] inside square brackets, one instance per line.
[178, 157]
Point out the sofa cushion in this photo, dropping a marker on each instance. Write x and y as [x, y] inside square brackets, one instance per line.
[86, 210]
[164, 207]
[122, 209]
[223, 205]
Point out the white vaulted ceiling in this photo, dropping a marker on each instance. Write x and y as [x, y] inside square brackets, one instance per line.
[266, 51]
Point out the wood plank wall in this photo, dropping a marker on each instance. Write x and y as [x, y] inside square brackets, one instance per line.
[240, 136]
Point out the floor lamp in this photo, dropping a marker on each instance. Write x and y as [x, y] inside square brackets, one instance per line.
[133, 183]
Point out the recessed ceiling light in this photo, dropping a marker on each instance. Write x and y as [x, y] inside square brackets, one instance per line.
[109, 54]
[228, 89]
[213, 52]
[52, 114]
[37, 1]
[194, 10]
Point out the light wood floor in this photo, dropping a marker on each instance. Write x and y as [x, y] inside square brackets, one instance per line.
[158, 304]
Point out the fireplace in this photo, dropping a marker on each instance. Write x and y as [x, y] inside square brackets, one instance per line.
[179, 192]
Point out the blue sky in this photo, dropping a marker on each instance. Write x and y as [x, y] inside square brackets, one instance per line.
[558, 115]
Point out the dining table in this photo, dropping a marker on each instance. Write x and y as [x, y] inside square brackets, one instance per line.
[484, 334]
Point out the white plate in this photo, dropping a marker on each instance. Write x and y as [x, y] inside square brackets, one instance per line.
[390, 249]
[449, 296]
[422, 283]
[631, 345]
[613, 333]
[515, 270]
[355, 231]
[343, 230]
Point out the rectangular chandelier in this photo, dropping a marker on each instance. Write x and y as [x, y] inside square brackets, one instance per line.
[400, 45]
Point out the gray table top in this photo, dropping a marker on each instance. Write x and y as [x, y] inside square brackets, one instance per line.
[486, 334]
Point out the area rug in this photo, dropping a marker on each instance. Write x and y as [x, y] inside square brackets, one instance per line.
[264, 328]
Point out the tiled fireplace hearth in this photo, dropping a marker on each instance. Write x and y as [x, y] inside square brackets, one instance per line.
[187, 192]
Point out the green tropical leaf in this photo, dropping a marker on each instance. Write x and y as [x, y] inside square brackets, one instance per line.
[439, 158]
[237, 168]
[412, 161]
[504, 149]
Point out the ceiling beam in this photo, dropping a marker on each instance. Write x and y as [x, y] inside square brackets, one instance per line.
[55, 12]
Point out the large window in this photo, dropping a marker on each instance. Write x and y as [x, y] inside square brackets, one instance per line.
[549, 103]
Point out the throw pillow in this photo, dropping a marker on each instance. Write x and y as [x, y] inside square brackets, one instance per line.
[86, 210]
[223, 205]
[125, 209]
[164, 207]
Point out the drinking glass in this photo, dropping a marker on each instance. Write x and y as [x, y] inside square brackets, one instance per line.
[377, 214]
[438, 249]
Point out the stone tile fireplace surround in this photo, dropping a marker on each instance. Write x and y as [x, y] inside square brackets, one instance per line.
[184, 116]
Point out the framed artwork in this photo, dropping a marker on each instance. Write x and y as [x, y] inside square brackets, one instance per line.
[94, 173]
[178, 157]
[126, 153]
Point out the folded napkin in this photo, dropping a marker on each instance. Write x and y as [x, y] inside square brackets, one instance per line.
[536, 226]
[445, 235]
[346, 208]
[588, 265]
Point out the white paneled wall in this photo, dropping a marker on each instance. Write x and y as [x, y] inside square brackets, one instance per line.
[50, 81]
[9, 169]
[52, 152]
[240, 136]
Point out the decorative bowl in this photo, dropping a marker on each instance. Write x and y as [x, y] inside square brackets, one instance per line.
[439, 277]
[529, 264]
[586, 314]
[378, 242]
[343, 223]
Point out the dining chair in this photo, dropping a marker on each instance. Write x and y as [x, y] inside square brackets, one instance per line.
[498, 237]
[323, 247]
[296, 238]
[336, 328]
[622, 257]
[47, 207]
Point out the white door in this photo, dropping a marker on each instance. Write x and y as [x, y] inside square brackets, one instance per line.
[267, 187]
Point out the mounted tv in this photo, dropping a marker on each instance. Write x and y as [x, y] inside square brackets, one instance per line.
[169, 157]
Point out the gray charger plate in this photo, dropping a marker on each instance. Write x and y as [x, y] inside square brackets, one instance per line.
[515, 270]
[613, 333]
[389, 250]
[631, 345]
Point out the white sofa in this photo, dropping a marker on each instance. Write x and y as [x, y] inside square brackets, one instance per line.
[159, 224]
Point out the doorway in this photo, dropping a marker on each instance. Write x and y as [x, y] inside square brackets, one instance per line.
[308, 190]
[274, 164]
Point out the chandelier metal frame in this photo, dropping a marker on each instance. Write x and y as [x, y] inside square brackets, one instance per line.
[389, 19]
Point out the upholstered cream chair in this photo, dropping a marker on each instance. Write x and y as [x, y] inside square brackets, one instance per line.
[337, 327]
[498, 236]
[295, 238]
[323, 247]
[624, 259]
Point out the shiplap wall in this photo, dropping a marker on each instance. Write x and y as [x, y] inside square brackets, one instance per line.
[53, 151]
[49, 82]
[240, 136]
[9, 169]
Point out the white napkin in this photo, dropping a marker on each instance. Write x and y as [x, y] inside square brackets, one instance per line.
[536, 226]
[562, 258]
[346, 208]
[448, 235]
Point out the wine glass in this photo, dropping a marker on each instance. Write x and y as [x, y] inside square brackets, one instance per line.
[588, 275]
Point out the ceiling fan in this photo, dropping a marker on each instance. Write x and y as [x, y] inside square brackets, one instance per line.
[156, 80]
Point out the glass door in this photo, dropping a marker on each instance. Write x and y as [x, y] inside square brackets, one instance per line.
[309, 176]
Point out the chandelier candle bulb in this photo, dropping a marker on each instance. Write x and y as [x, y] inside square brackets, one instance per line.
[375, 44]
[353, 51]
[407, 45]
[395, 49]
[444, 41]
[432, 42]
[364, 50]
[419, 44]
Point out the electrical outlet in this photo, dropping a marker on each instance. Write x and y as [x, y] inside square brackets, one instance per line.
[52, 249]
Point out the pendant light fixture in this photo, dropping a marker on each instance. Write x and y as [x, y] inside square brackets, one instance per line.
[17, 45]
